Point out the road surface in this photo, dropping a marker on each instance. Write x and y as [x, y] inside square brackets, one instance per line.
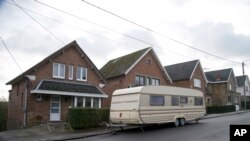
[214, 129]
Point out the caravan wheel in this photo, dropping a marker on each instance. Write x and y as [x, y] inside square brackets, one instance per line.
[176, 122]
[182, 121]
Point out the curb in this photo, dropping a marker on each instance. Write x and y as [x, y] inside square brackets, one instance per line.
[226, 114]
[80, 137]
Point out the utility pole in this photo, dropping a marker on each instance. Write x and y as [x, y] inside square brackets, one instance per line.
[243, 70]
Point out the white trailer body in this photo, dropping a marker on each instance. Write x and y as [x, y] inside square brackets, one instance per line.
[156, 104]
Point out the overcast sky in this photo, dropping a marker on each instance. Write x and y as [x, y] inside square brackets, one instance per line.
[220, 27]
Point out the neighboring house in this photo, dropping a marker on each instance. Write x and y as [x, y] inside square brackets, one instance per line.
[136, 69]
[222, 87]
[189, 75]
[44, 92]
[240, 88]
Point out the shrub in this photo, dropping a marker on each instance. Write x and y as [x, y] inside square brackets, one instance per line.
[220, 109]
[85, 118]
[3, 115]
[247, 104]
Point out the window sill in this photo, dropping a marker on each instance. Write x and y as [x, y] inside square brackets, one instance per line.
[81, 80]
[58, 77]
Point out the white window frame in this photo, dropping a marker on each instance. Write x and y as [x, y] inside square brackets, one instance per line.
[59, 68]
[71, 72]
[230, 87]
[84, 103]
[197, 83]
[79, 78]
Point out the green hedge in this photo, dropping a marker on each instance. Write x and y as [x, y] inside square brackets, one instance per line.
[85, 118]
[220, 109]
[243, 104]
[3, 115]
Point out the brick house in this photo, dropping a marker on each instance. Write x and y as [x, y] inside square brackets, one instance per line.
[44, 92]
[240, 87]
[222, 87]
[189, 75]
[136, 69]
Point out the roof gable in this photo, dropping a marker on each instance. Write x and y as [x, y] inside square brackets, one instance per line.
[121, 65]
[53, 55]
[219, 75]
[182, 71]
[241, 80]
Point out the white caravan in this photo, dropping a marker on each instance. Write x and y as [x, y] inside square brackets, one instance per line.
[155, 105]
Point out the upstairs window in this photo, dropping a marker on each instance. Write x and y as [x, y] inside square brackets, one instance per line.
[246, 88]
[155, 81]
[156, 100]
[148, 81]
[230, 87]
[71, 72]
[81, 74]
[139, 80]
[148, 61]
[58, 70]
[197, 83]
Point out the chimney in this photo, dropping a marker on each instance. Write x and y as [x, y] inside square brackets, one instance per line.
[218, 77]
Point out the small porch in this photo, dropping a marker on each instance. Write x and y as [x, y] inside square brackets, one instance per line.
[62, 95]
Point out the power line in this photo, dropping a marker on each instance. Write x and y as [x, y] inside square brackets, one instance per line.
[170, 38]
[104, 27]
[88, 21]
[109, 29]
[39, 23]
[179, 54]
[72, 26]
[11, 54]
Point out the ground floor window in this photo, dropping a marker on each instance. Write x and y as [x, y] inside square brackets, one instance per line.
[229, 99]
[96, 102]
[79, 102]
[87, 102]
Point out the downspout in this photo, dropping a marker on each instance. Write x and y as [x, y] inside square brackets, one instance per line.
[26, 103]
[27, 82]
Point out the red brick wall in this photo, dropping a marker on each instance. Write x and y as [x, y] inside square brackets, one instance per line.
[70, 57]
[143, 69]
[198, 74]
[16, 106]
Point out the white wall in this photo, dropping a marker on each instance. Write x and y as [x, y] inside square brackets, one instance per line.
[241, 90]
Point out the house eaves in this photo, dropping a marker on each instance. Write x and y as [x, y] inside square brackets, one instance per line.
[35, 67]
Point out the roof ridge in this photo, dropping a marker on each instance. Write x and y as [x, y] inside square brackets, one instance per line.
[130, 53]
[182, 62]
[219, 70]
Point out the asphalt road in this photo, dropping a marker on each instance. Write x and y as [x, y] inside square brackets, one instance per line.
[214, 129]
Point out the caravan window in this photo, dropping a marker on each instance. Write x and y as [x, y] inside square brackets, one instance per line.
[156, 100]
[198, 101]
[175, 100]
[183, 100]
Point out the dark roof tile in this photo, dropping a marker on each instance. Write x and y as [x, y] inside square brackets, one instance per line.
[119, 66]
[218, 75]
[181, 71]
[241, 80]
[68, 87]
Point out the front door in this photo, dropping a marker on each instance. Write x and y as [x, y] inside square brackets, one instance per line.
[55, 110]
